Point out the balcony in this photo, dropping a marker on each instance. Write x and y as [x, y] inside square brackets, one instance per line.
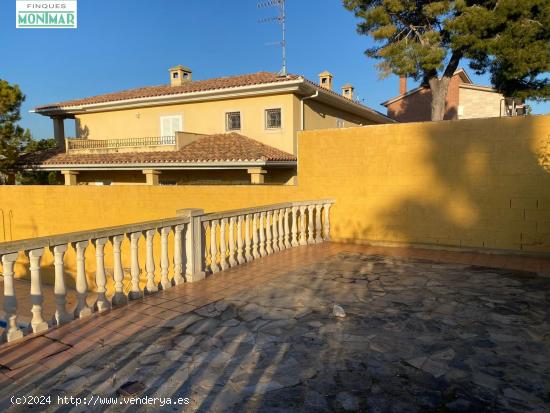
[125, 145]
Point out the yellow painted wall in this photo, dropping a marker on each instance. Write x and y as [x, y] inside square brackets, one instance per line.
[482, 183]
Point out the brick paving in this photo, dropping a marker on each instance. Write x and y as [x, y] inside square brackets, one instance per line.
[425, 331]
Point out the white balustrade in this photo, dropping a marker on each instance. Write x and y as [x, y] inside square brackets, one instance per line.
[60, 290]
[12, 332]
[243, 235]
[151, 287]
[100, 279]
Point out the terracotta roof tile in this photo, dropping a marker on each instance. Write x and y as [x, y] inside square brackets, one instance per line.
[189, 87]
[231, 147]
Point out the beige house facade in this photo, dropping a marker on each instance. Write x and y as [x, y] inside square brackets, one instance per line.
[118, 134]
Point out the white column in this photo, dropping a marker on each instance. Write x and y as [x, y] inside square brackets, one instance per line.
[100, 280]
[232, 261]
[269, 239]
[318, 225]
[178, 255]
[82, 308]
[164, 260]
[135, 271]
[240, 241]
[263, 252]
[310, 224]
[223, 245]
[326, 227]
[60, 291]
[282, 245]
[255, 253]
[150, 261]
[247, 245]
[213, 247]
[37, 322]
[195, 248]
[275, 231]
[287, 236]
[119, 298]
[302, 240]
[12, 331]
[294, 236]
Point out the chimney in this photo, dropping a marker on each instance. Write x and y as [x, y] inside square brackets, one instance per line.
[325, 80]
[179, 75]
[347, 91]
[402, 85]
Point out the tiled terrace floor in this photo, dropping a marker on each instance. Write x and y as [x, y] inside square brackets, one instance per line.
[425, 331]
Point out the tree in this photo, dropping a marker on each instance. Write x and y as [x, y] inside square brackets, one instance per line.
[32, 176]
[426, 40]
[13, 138]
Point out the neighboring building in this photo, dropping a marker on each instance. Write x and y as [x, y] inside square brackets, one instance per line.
[464, 101]
[232, 129]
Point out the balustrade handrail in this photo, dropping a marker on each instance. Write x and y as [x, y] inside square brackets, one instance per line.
[262, 208]
[120, 142]
[59, 239]
[202, 243]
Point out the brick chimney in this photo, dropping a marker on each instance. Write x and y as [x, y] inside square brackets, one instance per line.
[325, 80]
[402, 85]
[347, 91]
[179, 75]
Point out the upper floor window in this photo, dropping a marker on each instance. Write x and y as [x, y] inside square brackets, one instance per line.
[232, 121]
[169, 125]
[339, 123]
[273, 118]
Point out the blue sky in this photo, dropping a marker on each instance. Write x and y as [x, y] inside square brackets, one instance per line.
[123, 44]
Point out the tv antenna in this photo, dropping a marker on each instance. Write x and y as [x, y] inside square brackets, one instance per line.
[281, 19]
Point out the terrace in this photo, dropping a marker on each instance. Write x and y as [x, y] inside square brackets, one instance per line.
[240, 317]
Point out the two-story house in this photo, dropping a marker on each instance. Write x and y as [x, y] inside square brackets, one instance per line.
[237, 129]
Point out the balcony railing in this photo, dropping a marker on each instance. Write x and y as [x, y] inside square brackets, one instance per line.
[199, 247]
[73, 144]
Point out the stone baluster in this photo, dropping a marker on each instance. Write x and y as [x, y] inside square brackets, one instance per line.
[268, 235]
[119, 298]
[61, 315]
[302, 239]
[275, 243]
[151, 287]
[240, 241]
[287, 237]
[232, 261]
[135, 271]
[82, 308]
[294, 237]
[263, 251]
[12, 331]
[213, 247]
[318, 225]
[326, 227]
[37, 322]
[247, 245]
[282, 245]
[102, 303]
[164, 260]
[178, 255]
[255, 253]
[223, 245]
[195, 245]
[311, 224]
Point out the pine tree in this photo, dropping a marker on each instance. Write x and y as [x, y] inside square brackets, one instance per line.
[13, 138]
[426, 40]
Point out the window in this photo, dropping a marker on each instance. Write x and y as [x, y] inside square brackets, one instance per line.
[339, 123]
[273, 118]
[175, 75]
[233, 121]
[169, 125]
